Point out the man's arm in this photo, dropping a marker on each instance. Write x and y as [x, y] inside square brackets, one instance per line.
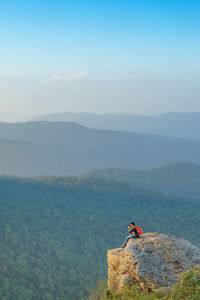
[132, 230]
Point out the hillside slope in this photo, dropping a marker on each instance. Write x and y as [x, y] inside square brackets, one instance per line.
[177, 178]
[55, 231]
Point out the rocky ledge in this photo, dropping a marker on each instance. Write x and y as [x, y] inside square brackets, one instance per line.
[153, 261]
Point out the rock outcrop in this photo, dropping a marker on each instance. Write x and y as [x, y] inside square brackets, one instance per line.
[153, 261]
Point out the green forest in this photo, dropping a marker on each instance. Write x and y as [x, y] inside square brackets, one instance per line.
[55, 231]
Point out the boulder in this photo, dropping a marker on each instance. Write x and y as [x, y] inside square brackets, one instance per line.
[153, 261]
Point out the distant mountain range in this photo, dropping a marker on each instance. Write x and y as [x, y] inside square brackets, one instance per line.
[62, 148]
[177, 178]
[185, 125]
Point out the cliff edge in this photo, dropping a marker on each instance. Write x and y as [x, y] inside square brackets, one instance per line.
[153, 261]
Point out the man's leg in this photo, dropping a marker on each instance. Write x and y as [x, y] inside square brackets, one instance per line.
[127, 239]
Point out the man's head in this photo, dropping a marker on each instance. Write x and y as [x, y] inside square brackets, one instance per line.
[132, 224]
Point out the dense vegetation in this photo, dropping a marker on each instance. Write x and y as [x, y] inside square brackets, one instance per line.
[175, 178]
[55, 231]
[187, 288]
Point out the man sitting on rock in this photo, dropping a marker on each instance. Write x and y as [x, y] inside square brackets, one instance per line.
[134, 233]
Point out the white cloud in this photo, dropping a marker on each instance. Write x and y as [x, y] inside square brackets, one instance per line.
[72, 76]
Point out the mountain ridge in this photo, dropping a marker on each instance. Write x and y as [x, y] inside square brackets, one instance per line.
[60, 148]
[173, 178]
[175, 124]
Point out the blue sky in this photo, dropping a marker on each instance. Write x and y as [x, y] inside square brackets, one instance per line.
[99, 56]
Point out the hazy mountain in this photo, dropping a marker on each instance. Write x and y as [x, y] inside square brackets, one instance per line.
[178, 178]
[67, 148]
[185, 125]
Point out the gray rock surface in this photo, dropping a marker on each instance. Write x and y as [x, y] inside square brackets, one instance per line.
[153, 261]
